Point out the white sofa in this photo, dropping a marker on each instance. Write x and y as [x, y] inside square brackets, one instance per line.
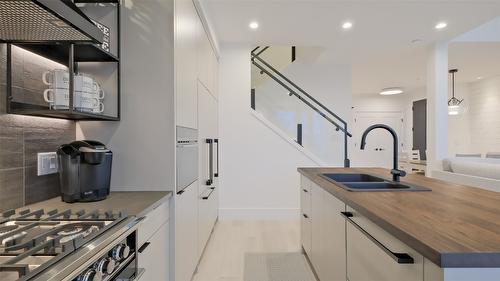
[473, 171]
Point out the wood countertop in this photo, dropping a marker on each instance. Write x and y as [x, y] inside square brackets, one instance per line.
[136, 203]
[452, 225]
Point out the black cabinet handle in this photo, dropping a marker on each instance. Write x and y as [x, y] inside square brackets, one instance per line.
[143, 247]
[402, 258]
[210, 161]
[305, 216]
[305, 190]
[209, 194]
[216, 174]
[180, 192]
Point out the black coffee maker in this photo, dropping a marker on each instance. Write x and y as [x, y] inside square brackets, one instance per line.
[84, 171]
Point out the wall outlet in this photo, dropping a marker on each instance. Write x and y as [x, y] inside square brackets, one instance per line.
[47, 163]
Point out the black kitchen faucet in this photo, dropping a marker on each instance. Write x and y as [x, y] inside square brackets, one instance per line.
[396, 173]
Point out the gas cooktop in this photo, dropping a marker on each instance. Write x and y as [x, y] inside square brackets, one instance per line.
[33, 241]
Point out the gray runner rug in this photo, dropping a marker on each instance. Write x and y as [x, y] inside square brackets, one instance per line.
[277, 267]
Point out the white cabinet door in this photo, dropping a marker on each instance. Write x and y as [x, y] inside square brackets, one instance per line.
[316, 227]
[188, 28]
[366, 260]
[328, 236]
[333, 263]
[186, 233]
[204, 60]
[154, 257]
[214, 74]
[208, 189]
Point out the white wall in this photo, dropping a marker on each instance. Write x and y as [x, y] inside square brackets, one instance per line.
[398, 103]
[259, 178]
[143, 141]
[480, 130]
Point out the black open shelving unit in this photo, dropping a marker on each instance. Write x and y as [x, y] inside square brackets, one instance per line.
[70, 55]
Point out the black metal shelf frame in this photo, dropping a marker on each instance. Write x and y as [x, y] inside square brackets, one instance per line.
[68, 54]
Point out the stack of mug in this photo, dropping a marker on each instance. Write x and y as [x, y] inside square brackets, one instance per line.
[88, 95]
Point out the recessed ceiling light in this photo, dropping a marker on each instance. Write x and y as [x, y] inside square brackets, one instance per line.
[391, 91]
[441, 25]
[254, 25]
[347, 25]
[479, 78]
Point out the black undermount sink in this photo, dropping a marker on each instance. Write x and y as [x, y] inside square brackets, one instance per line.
[352, 178]
[365, 182]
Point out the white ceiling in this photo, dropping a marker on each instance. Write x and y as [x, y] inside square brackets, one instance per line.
[379, 47]
[475, 60]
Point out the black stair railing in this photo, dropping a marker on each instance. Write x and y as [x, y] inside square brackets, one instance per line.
[266, 68]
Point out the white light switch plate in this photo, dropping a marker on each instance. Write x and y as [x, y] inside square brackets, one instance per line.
[47, 163]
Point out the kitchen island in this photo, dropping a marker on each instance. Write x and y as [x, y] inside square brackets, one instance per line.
[449, 233]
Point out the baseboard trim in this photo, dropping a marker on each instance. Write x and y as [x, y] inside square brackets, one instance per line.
[259, 214]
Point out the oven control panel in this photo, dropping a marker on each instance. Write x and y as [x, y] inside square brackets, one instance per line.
[109, 266]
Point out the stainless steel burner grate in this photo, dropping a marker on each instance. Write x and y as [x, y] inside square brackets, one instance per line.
[30, 241]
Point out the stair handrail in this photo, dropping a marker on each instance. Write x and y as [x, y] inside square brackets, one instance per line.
[293, 92]
[256, 56]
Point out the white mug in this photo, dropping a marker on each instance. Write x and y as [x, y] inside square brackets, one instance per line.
[88, 102]
[99, 92]
[57, 79]
[57, 98]
[85, 83]
[99, 108]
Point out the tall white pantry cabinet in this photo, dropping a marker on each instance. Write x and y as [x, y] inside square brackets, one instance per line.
[196, 106]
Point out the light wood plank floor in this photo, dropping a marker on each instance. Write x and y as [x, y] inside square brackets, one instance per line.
[223, 257]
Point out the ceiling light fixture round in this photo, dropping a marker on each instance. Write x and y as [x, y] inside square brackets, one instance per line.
[391, 91]
[441, 25]
[347, 25]
[254, 25]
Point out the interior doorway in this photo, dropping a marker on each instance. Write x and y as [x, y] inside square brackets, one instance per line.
[420, 127]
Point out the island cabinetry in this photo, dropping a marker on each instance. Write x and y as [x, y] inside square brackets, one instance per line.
[328, 241]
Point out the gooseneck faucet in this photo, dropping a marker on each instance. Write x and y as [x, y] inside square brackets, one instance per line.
[396, 173]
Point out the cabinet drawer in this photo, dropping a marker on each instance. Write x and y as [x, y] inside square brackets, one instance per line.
[306, 233]
[153, 221]
[368, 260]
[154, 256]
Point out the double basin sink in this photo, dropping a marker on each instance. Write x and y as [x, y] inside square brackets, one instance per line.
[366, 182]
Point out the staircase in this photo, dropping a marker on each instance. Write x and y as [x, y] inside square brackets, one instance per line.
[297, 113]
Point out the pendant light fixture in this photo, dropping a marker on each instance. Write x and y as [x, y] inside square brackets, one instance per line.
[453, 103]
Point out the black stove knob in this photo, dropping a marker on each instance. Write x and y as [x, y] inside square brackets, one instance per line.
[120, 252]
[90, 275]
[105, 265]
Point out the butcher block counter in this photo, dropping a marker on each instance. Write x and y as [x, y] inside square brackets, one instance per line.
[452, 226]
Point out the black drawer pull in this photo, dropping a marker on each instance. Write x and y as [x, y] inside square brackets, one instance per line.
[143, 247]
[402, 258]
[305, 216]
[305, 190]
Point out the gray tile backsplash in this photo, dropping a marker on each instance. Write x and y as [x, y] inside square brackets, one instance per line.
[21, 138]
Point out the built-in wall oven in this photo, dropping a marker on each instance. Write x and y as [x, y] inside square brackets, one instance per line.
[187, 157]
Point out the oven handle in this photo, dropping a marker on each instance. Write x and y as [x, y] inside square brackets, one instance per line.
[210, 143]
[216, 174]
